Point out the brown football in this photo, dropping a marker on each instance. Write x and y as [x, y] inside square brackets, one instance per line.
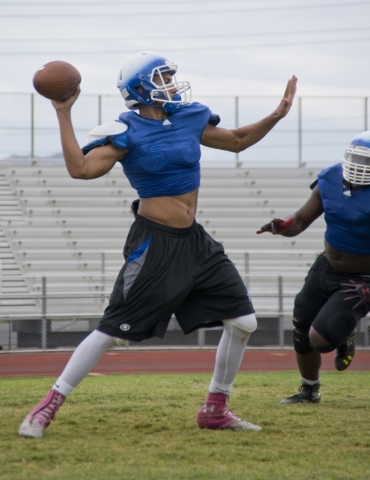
[56, 80]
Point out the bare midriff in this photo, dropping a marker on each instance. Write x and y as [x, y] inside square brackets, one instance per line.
[177, 212]
[347, 262]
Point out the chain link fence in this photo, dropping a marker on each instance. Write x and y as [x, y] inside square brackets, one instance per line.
[314, 134]
[46, 321]
[58, 313]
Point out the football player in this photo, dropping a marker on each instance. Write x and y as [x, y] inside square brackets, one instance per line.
[172, 266]
[336, 292]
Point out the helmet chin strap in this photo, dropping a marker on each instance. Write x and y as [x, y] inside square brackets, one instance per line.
[168, 106]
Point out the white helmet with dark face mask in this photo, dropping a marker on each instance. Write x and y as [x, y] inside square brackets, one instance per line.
[139, 70]
[356, 162]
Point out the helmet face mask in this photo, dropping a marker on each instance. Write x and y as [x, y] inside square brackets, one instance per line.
[161, 91]
[141, 81]
[356, 162]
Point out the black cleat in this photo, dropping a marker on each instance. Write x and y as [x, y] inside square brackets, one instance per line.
[345, 353]
[307, 394]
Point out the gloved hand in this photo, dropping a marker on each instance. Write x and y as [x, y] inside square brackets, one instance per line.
[277, 226]
[356, 291]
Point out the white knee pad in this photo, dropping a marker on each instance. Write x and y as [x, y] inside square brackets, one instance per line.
[247, 323]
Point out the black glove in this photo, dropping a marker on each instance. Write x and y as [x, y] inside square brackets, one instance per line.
[277, 226]
[356, 291]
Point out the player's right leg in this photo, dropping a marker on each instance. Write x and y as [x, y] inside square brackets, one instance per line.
[307, 305]
[84, 358]
[309, 363]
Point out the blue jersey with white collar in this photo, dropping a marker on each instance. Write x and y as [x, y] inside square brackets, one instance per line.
[347, 212]
[163, 155]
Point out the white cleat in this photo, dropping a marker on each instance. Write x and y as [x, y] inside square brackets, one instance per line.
[240, 424]
[31, 429]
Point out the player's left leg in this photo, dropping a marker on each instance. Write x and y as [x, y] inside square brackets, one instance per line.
[214, 414]
[334, 329]
[84, 358]
[345, 352]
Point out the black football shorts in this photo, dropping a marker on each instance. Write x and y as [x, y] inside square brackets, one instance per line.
[180, 271]
[321, 304]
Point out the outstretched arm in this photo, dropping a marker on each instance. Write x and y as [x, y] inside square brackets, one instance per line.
[97, 162]
[302, 219]
[241, 138]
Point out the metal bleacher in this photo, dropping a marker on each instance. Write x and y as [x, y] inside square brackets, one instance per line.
[67, 235]
[62, 225]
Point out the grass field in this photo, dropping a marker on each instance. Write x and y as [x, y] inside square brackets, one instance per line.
[142, 427]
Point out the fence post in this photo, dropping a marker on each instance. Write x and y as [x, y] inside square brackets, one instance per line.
[300, 163]
[103, 272]
[281, 311]
[236, 126]
[365, 329]
[10, 334]
[43, 316]
[246, 268]
[201, 337]
[99, 110]
[32, 125]
[365, 113]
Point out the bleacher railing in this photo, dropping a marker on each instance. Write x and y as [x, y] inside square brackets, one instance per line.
[314, 134]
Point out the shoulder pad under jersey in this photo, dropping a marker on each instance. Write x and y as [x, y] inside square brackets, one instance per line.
[214, 119]
[106, 130]
[314, 183]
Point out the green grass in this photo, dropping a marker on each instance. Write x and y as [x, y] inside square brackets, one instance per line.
[142, 427]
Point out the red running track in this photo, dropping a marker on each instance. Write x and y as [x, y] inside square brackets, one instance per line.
[162, 361]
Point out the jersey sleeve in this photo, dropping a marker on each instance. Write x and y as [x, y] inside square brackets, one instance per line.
[112, 132]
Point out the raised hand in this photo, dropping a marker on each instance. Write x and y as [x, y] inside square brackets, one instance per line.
[356, 291]
[277, 226]
[287, 101]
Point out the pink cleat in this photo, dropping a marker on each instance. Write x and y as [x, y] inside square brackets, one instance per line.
[214, 414]
[36, 422]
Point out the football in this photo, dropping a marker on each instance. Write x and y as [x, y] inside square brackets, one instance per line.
[56, 80]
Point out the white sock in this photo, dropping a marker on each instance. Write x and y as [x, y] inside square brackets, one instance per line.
[310, 382]
[230, 352]
[62, 387]
[83, 360]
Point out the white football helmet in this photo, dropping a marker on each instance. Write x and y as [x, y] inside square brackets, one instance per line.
[356, 162]
[139, 70]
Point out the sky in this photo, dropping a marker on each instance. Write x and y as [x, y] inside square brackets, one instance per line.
[223, 47]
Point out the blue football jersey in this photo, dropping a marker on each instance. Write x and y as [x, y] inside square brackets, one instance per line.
[162, 156]
[347, 212]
